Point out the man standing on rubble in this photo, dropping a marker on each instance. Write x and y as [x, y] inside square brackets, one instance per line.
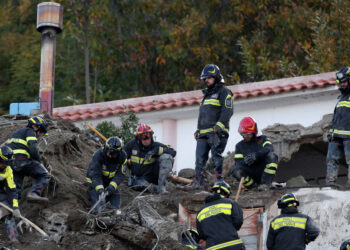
[8, 194]
[290, 229]
[26, 156]
[339, 134]
[254, 157]
[105, 173]
[219, 220]
[214, 117]
[150, 161]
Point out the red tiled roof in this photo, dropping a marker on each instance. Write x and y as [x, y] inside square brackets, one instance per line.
[190, 98]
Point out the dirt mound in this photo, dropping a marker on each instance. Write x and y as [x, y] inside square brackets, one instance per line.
[66, 153]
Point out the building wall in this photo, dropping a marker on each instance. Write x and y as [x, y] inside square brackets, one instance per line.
[304, 107]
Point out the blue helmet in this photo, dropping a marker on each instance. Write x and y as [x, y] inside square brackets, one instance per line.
[343, 75]
[287, 200]
[345, 245]
[113, 145]
[212, 70]
[221, 187]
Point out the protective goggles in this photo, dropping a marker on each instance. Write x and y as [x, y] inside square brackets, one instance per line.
[341, 77]
[145, 136]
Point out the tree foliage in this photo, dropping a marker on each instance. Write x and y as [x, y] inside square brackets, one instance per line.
[145, 47]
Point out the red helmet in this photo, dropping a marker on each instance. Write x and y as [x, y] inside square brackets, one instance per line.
[248, 125]
[144, 131]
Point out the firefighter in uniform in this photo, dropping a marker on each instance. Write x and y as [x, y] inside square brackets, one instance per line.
[150, 161]
[26, 156]
[105, 173]
[190, 239]
[214, 117]
[291, 229]
[219, 220]
[254, 157]
[345, 245]
[8, 194]
[339, 134]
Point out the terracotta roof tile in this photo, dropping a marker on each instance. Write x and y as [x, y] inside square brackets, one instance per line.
[190, 98]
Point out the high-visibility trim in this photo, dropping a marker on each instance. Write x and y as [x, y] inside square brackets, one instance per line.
[222, 126]
[203, 131]
[99, 187]
[341, 132]
[239, 156]
[345, 104]
[124, 166]
[222, 187]
[214, 210]
[190, 246]
[21, 151]
[229, 102]
[226, 244]
[8, 175]
[160, 150]
[214, 102]
[17, 140]
[267, 142]
[140, 160]
[14, 203]
[114, 184]
[289, 222]
[109, 174]
[272, 165]
[31, 138]
[248, 181]
[88, 180]
[269, 171]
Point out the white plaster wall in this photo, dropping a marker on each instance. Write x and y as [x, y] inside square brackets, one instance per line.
[330, 209]
[303, 107]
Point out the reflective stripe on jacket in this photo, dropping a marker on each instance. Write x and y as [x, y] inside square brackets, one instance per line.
[291, 230]
[341, 117]
[216, 109]
[103, 171]
[23, 142]
[8, 185]
[218, 222]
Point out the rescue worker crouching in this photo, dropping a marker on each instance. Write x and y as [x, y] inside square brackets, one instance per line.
[219, 220]
[291, 229]
[212, 132]
[150, 161]
[105, 173]
[8, 194]
[26, 156]
[254, 157]
[339, 134]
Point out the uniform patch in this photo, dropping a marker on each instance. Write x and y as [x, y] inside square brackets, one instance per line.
[104, 167]
[214, 96]
[134, 152]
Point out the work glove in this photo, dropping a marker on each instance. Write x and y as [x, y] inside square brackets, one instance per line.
[196, 134]
[100, 192]
[214, 140]
[151, 153]
[330, 136]
[16, 212]
[110, 189]
[217, 129]
[250, 158]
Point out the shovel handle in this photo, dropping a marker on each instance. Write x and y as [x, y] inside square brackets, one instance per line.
[97, 133]
[239, 189]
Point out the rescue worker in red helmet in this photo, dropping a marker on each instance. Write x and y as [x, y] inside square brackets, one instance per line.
[219, 220]
[105, 173]
[150, 161]
[290, 230]
[8, 194]
[345, 245]
[254, 157]
[212, 132]
[339, 134]
[26, 156]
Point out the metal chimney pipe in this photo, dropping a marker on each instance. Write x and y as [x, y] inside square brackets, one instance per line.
[49, 23]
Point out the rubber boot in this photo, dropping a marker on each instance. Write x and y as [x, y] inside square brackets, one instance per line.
[165, 165]
[34, 197]
[10, 225]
